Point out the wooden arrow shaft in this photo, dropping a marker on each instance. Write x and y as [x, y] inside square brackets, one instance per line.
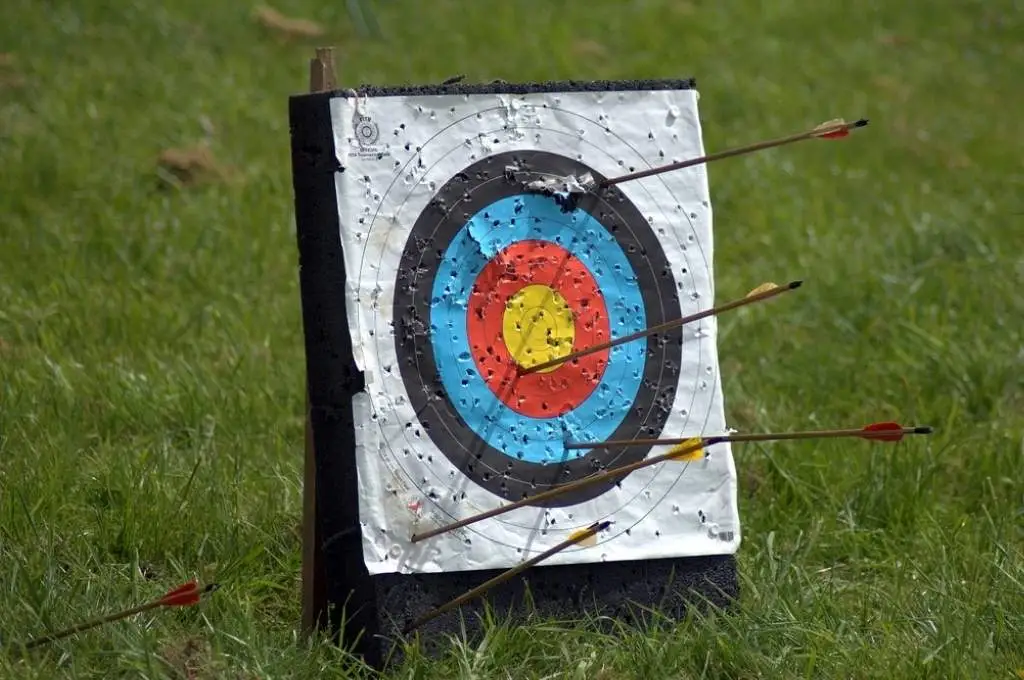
[759, 437]
[557, 491]
[506, 575]
[667, 325]
[674, 454]
[109, 618]
[729, 153]
[169, 599]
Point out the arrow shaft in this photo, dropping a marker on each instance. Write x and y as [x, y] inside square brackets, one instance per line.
[87, 625]
[557, 491]
[179, 597]
[671, 455]
[759, 437]
[623, 470]
[506, 575]
[667, 325]
[729, 153]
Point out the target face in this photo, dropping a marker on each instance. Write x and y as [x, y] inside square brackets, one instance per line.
[461, 274]
[512, 280]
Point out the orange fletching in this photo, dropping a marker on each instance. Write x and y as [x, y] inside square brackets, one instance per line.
[894, 432]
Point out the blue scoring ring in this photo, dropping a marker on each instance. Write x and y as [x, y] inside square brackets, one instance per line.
[489, 231]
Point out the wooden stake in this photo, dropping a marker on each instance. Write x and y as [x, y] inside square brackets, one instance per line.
[321, 70]
[314, 586]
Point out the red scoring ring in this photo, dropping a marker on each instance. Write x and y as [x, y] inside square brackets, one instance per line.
[541, 394]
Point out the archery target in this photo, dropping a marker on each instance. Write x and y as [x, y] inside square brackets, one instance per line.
[460, 273]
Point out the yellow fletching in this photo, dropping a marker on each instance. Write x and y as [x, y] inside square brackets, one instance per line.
[830, 126]
[689, 450]
[588, 541]
[763, 288]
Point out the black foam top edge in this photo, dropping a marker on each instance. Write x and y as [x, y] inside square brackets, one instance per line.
[502, 87]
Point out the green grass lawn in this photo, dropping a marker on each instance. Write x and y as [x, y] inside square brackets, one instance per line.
[151, 355]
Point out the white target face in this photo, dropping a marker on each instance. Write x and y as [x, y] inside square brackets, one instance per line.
[461, 273]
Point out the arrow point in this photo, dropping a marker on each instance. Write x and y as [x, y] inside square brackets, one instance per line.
[924, 429]
[861, 123]
[795, 284]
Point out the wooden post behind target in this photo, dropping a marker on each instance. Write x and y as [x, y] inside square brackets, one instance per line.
[314, 600]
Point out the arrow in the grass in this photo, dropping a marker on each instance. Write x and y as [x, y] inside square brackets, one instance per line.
[762, 292]
[833, 129]
[683, 449]
[184, 595]
[581, 537]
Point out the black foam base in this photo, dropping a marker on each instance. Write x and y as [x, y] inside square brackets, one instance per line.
[622, 591]
[368, 613]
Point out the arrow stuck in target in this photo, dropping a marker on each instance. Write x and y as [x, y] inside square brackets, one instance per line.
[685, 449]
[583, 537]
[832, 129]
[886, 432]
[763, 292]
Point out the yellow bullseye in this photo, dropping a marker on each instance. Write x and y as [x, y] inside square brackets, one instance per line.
[538, 326]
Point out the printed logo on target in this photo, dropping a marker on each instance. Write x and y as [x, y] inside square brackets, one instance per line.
[366, 135]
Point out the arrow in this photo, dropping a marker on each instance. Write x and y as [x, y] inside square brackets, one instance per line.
[685, 449]
[582, 536]
[184, 595]
[762, 292]
[833, 129]
[886, 432]
[677, 453]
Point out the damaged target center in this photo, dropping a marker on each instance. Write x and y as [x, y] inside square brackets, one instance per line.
[538, 326]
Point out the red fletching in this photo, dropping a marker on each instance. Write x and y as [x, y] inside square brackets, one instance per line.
[833, 129]
[894, 432]
[842, 132]
[182, 596]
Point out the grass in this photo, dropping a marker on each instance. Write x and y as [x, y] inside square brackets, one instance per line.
[151, 361]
